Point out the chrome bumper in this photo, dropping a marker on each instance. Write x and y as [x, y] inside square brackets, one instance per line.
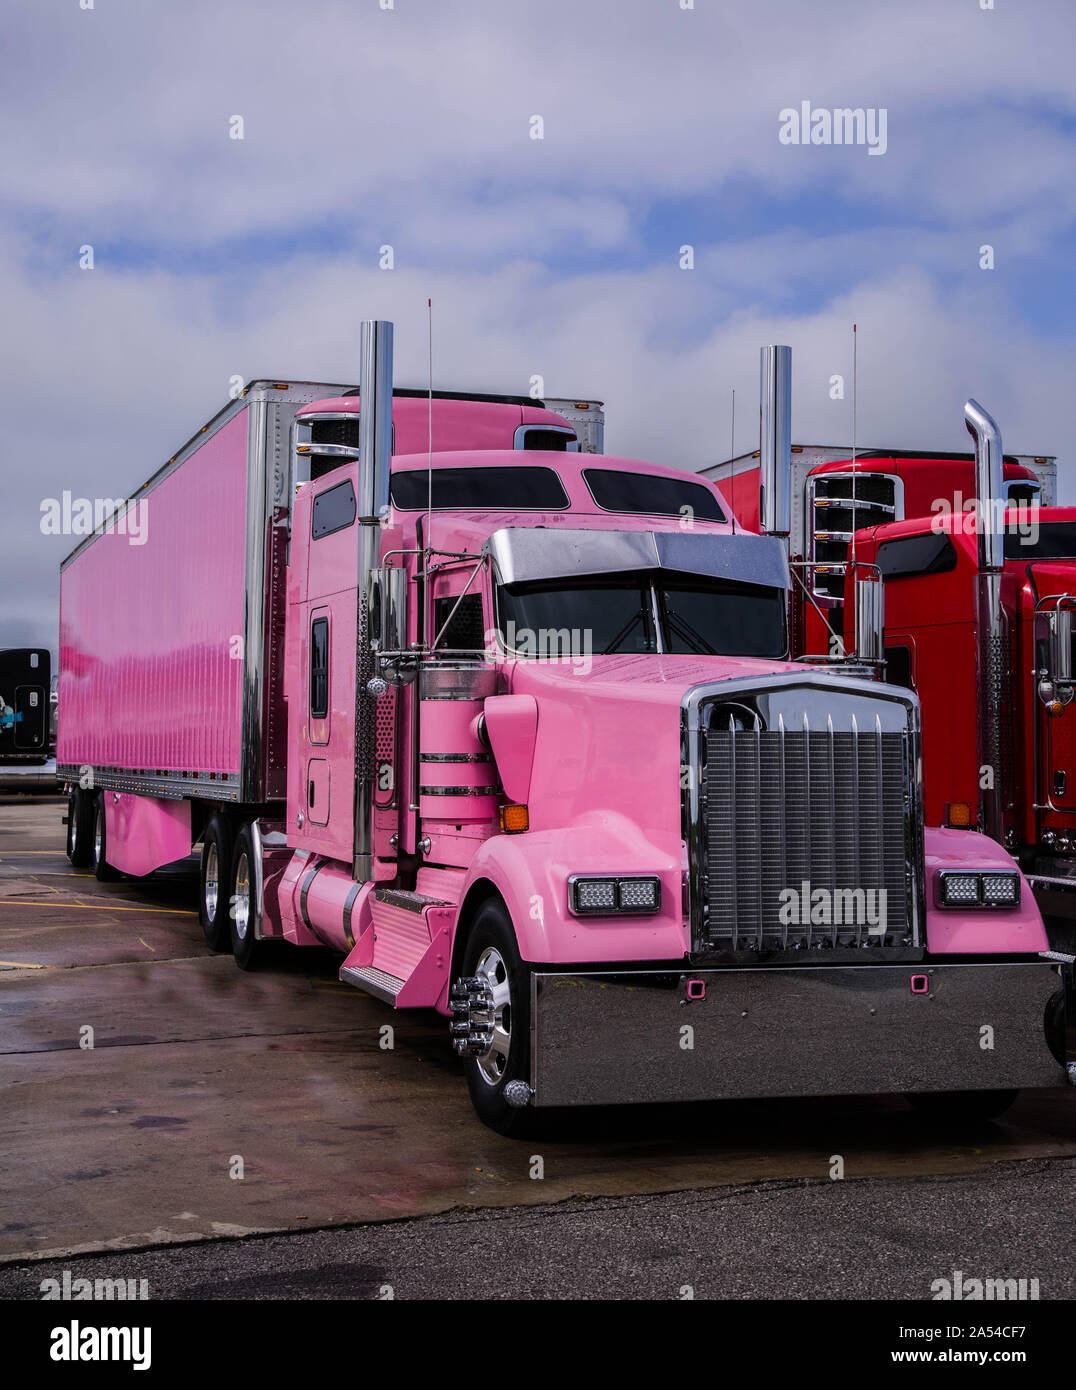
[600, 1039]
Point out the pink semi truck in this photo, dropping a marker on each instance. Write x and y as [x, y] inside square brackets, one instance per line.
[513, 729]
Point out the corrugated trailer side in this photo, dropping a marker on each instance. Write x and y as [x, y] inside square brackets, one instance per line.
[171, 647]
[152, 628]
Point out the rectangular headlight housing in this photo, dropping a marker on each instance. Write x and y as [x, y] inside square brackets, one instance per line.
[978, 888]
[606, 896]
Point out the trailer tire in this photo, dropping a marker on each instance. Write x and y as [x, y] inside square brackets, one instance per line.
[214, 881]
[80, 828]
[102, 869]
[242, 907]
[961, 1106]
[490, 952]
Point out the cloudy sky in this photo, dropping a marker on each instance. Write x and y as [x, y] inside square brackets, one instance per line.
[409, 123]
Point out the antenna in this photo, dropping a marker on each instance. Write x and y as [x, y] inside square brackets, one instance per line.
[732, 455]
[852, 571]
[732, 441]
[429, 421]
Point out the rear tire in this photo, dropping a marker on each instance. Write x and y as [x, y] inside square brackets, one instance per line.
[80, 828]
[102, 869]
[213, 883]
[491, 954]
[242, 906]
[962, 1106]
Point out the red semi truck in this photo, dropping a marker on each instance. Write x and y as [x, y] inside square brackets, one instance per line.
[999, 735]
[515, 731]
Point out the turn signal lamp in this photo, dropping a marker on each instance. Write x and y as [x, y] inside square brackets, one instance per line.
[958, 815]
[514, 819]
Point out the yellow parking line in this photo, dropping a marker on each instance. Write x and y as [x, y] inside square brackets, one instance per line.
[104, 907]
[48, 873]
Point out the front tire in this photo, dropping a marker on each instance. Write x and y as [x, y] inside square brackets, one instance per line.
[214, 881]
[491, 957]
[102, 869]
[242, 906]
[80, 828]
[962, 1106]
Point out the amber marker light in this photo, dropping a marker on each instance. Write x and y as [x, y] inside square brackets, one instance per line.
[514, 819]
[958, 815]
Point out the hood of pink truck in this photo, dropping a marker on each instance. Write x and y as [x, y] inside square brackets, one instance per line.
[643, 677]
[607, 736]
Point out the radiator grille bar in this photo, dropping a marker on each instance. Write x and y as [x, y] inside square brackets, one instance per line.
[789, 811]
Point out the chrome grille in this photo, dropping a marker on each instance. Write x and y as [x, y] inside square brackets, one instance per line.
[786, 807]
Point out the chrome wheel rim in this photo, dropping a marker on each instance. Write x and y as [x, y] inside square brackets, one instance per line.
[72, 826]
[99, 835]
[212, 882]
[492, 970]
[241, 898]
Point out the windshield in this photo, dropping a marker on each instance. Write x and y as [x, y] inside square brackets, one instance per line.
[643, 613]
[1050, 540]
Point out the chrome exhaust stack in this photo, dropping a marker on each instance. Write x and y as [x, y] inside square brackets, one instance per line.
[375, 417]
[775, 442]
[375, 462]
[989, 618]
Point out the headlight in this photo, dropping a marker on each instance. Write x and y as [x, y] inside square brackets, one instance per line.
[969, 888]
[608, 896]
[594, 894]
[1001, 890]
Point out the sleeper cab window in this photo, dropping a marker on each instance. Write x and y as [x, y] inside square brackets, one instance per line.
[333, 510]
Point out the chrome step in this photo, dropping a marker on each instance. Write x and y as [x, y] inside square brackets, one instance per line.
[373, 981]
[410, 902]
